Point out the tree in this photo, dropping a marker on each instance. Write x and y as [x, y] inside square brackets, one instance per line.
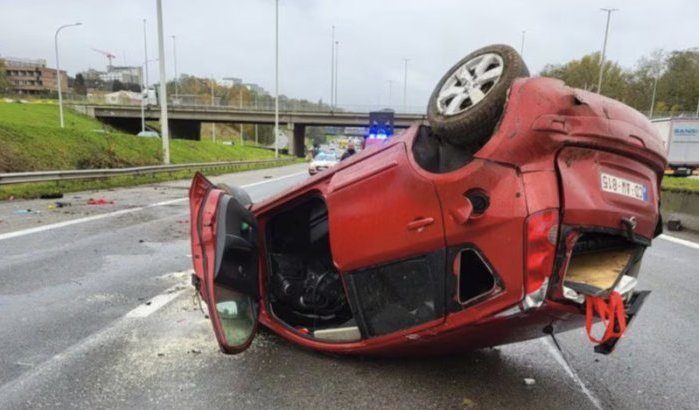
[79, 85]
[679, 85]
[648, 70]
[584, 73]
[316, 135]
[3, 78]
[116, 85]
[676, 73]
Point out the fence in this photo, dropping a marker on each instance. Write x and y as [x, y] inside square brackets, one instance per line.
[63, 175]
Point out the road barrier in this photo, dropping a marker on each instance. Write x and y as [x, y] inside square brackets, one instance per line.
[64, 175]
[682, 206]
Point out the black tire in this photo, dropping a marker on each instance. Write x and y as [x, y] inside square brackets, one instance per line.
[472, 127]
[238, 193]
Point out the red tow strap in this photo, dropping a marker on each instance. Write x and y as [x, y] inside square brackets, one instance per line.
[610, 311]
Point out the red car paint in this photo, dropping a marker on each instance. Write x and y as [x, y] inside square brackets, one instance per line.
[541, 170]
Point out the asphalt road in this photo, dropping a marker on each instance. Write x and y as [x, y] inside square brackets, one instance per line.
[96, 312]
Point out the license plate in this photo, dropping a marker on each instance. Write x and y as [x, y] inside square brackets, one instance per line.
[622, 186]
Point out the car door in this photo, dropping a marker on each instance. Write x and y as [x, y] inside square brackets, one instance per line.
[387, 238]
[380, 209]
[224, 254]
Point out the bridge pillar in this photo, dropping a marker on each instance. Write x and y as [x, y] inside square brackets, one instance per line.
[127, 125]
[297, 146]
[185, 129]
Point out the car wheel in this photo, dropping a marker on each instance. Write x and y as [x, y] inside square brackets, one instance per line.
[238, 193]
[467, 102]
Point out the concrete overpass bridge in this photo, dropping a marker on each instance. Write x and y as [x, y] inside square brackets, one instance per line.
[185, 121]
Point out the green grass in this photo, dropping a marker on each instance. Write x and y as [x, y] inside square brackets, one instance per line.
[679, 184]
[46, 114]
[31, 140]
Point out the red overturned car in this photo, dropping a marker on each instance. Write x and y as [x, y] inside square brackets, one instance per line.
[523, 209]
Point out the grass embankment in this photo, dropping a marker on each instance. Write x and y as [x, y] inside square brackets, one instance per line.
[680, 184]
[31, 140]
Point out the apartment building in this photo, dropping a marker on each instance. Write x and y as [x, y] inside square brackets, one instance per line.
[32, 76]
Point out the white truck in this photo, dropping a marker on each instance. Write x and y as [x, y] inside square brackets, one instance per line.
[150, 97]
[681, 139]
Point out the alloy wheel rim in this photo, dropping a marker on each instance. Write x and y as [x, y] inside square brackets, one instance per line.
[469, 84]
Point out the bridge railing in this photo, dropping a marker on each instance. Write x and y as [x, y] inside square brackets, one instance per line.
[262, 107]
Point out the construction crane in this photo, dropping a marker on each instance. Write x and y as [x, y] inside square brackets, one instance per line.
[109, 55]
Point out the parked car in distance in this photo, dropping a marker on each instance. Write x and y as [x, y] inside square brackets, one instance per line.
[148, 134]
[322, 161]
[523, 210]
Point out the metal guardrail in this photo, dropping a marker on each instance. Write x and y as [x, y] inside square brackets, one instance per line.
[248, 107]
[64, 175]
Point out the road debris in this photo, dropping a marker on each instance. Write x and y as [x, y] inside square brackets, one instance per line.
[59, 204]
[468, 403]
[51, 195]
[100, 201]
[674, 224]
[529, 381]
[25, 211]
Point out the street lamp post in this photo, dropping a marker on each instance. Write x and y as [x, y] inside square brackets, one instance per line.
[276, 79]
[145, 69]
[174, 54]
[521, 48]
[58, 72]
[332, 71]
[604, 50]
[240, 102]
[256, 139]
[143, 106]
[145, 95]
[145, 50]
[405, 85]
[213, 124]
[337, 53]
[164, 126]
[652, 100]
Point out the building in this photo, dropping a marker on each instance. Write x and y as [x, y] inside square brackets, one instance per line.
[256, 89]
[232, 81]
[123, 74]
[92, 74]
[123, 98]
[31, 76]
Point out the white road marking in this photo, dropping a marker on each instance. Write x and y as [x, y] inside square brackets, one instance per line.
[572, 373]
[679, 241]
[31, 379]
[63, 224]
[274, 179]
[145, 309]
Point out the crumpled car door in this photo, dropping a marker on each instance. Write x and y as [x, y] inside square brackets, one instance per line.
[224, 253]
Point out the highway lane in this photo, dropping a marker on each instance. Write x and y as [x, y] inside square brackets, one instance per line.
[67, 340]
[657, 365]
[61, 285]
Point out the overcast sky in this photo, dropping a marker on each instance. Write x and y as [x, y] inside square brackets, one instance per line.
[235, 38]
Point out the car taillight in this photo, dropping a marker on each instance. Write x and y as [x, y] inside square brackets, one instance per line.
[542, 235]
